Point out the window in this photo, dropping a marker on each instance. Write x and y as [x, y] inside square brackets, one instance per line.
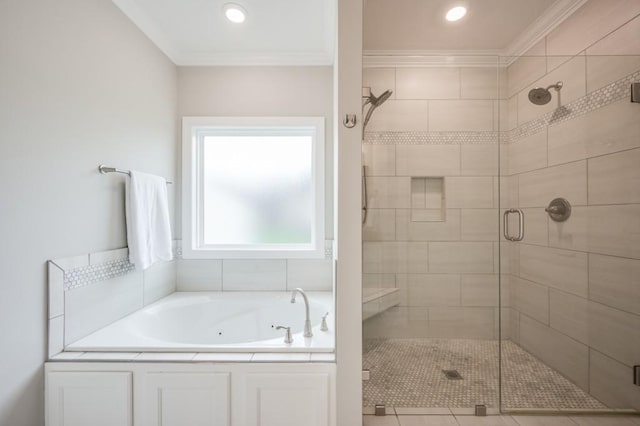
[253, 187]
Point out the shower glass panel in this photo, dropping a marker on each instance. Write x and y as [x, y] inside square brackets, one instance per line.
[431, 238]
[570, 299]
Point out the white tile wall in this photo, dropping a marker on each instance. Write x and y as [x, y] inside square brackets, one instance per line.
[159, 281]
[389, 192]
[408, 230]
[614, 230]
[462, 257]
[562, 269]
[615, 178]
[479, 83]
[199, 275]
[428, 160]
[400, 115]
[310, 274]
[615, 281]
[469, 192]
[254, 275]
[380, 80]
[479, 160]
[380, 225]
[538, 188]
[380, 160]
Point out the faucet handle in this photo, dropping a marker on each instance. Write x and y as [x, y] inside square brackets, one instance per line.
[323, 325]
[287, 335]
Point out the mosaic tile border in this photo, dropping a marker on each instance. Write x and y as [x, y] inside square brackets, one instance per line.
[599, 98]
[84, 276]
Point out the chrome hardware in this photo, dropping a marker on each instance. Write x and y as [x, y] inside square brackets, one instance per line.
[323, 324]
[107, 169]
[559, 209]
[307, 321]
[505, 224]
[349, 121]
[635, 92]
[287, 335]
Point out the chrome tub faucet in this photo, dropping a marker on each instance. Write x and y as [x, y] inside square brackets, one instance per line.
[307, 321]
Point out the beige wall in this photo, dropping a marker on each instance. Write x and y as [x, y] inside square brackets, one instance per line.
[574, 285]
[261, 91]
[79, 86]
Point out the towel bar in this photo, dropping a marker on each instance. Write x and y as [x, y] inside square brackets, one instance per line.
[106, 169]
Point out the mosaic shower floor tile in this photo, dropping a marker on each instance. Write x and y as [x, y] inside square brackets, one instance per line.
[409, 373]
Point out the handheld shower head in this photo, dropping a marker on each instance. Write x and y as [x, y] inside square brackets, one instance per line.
[375, 102]
[542, 96]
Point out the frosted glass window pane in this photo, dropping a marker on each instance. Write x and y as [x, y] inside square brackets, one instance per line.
[257, 189]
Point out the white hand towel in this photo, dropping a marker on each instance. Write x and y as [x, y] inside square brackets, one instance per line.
[147, 215]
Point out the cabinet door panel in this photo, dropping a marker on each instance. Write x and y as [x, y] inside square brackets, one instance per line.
[87, 398]
[292, 399]
[194, 399]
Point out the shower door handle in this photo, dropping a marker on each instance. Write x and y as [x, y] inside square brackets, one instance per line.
[505, 224]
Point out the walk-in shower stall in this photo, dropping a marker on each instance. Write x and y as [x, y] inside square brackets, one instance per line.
[501, 247]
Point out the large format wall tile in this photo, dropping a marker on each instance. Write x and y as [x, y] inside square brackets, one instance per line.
[561, 352]
[589, 24]
[429, 289]
[479, 225]
[572, 75]
[462, 115]
[479, 290]
[569, 314]
[569, 181]
[97, 305]
[310, 274]
[614, 333]
[614, 230]
[389, 192]
[527, 69]
[199, 275]
[479, 160]
[159, 281]
[400, 116]
[408, 230]
[428, 83]
[609, 382]
[461, 257]
[615, 281]
[395, 257]
[428, 160]
[380, 80]
[528, 154]
[379, 160]
[605, 130]
[461, 322]
[536, 226]
[572, 233]
[531, 299]
[615, 178]
[254, 275]
[469, 192]
[563, 269]
[479, 83]
[380, 225]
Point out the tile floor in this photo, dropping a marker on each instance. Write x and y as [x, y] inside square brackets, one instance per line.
[451, 420]
[408, 373]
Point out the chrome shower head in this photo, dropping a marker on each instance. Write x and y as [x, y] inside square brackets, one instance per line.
[375, 102]
[542, 96]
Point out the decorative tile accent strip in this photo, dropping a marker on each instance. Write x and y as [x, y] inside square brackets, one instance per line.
[597, 99]
[431, 138]
[81, 277]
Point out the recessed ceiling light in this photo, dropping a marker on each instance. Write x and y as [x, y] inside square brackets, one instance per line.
[456, 13]
[235, 12]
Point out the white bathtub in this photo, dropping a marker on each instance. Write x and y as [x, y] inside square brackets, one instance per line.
[217, 322]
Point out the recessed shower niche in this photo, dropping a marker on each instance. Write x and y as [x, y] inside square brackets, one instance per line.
[428, 202]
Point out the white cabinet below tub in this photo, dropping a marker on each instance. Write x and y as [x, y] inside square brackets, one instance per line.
[194, 399]
[89, 398]
[287, 399]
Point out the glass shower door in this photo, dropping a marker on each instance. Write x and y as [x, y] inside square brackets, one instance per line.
[570, 161]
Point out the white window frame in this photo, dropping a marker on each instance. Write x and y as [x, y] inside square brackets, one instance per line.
[194, 129]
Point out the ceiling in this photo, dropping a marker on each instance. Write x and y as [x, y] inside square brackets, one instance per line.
[419, 25]
[302, 32]
[276, 32]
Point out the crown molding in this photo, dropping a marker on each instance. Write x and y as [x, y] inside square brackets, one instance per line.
[541, 27]
[557, 13]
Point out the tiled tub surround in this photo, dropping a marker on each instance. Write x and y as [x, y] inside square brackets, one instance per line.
[575, 289]
[92, 291]
[436, 240]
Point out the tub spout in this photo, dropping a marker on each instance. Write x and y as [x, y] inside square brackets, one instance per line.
[307, 321]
